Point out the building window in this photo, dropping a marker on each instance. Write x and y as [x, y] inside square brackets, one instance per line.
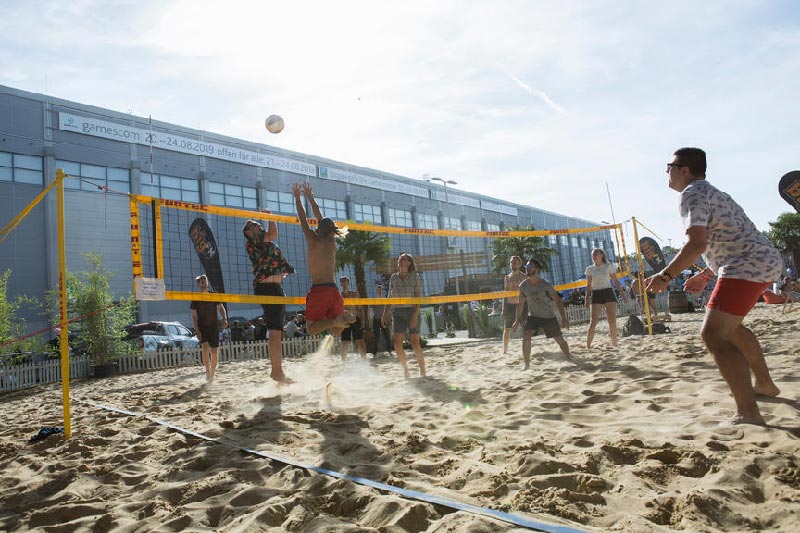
[427, 221]
[368, 213]
[231, 195]
[473, 225]
[491, 226]
[280, 202]
[170, 187]
[334, 209]
[400, 218]
[21, 168]
[93, 177]
[452, 223]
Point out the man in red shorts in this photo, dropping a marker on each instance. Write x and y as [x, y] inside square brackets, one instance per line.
[324, 303]
[746, 264]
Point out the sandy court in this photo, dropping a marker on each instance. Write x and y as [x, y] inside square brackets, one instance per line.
[619, 440]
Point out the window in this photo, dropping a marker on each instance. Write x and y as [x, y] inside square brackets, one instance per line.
[368, 213]
[427, 221]
[491, 226]
[334, 209]
[473, 225]
[400, 218]
[231, 195]
[21, 168]
[280, 202]
[92, 177]
[452, 223]
[170, 187]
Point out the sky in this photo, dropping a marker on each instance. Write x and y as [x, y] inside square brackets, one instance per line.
[554, 104]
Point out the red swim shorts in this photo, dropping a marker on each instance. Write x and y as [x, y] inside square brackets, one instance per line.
[735, 296]
[324, 301]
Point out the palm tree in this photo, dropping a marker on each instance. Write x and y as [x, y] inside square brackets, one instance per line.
[358, 248]
[525, 247]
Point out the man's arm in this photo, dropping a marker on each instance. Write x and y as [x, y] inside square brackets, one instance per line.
[196, 325]
[301, 212]
[311, 201]
[272, 229]
[520, 304]
[221, 309]
[694, 247]
[560, 305]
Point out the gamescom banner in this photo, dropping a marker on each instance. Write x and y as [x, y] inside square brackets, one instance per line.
[175, 143]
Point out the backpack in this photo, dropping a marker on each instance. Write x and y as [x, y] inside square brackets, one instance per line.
[660, 327]
[633, 326]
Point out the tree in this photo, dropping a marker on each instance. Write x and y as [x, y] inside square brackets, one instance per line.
[102, 324]
[785, 235]
[12, 326]
[358, 248]
[525, 247]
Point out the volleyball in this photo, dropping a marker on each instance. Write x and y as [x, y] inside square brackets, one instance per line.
[274, 124]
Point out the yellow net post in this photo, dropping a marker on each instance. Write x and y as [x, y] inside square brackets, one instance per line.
[62, 301]
[642, 289]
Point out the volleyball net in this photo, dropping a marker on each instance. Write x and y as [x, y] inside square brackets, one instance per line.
[173, 241]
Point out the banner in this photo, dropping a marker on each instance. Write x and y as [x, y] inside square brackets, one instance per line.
[652, 254]
[206, 247]
[789, 189]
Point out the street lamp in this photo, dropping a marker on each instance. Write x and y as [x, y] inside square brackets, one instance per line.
[429, 178]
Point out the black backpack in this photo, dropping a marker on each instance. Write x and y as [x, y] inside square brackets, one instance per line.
[633, 326]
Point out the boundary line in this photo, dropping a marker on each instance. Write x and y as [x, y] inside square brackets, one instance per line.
[412, 494]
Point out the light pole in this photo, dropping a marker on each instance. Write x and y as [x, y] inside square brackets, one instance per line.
[429, 178]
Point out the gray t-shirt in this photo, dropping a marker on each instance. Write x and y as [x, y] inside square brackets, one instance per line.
[539, 297]
[736, 249]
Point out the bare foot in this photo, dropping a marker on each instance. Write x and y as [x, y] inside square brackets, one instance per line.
[741, 419]
[282, 379]
[767, 390]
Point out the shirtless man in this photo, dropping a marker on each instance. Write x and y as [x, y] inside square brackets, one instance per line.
[355, 331]
[324, 304]
[511, 282]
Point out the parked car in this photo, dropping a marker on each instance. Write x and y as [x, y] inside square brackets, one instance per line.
[153, 336]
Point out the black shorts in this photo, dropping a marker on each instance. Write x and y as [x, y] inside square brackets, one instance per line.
[354, 332]
[603, 296]
[510, 313]
[550, 326]
[273, 313]
[210, 335]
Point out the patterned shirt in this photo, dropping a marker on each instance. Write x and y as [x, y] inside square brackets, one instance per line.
[267, 259]
[736, 249]
[539, 297]
[411, 287]
[601, 275]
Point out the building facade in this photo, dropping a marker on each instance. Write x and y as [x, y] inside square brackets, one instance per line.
[113, 154]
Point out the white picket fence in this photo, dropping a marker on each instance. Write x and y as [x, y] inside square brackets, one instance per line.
[14, 377]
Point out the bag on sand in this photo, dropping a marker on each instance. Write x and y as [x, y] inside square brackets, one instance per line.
[660, 327]
[633, 326]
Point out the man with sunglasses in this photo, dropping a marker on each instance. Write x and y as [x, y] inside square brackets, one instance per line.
[746, 264]
[538, 296]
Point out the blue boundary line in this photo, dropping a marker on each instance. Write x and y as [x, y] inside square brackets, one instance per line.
[412, 494]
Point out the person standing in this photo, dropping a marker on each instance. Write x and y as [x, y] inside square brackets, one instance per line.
[599, 294]
[355, 331]
[206, 324]
[744, 262]
[324, 304]
[511, 282]
[378, 329]
[269, 269]
[406, 283]
[538, 296]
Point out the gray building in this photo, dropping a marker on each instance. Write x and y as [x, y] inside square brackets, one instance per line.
[110, 155]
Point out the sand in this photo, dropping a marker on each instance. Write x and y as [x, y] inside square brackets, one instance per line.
[616, 440]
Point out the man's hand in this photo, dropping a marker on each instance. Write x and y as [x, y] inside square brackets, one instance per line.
[297, 189]
[657, 283]
[696, 283]
[307, 189]
[564, 322]
[515, 325]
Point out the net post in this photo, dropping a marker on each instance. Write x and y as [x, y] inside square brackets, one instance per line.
[62, 301]
[642, 289]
